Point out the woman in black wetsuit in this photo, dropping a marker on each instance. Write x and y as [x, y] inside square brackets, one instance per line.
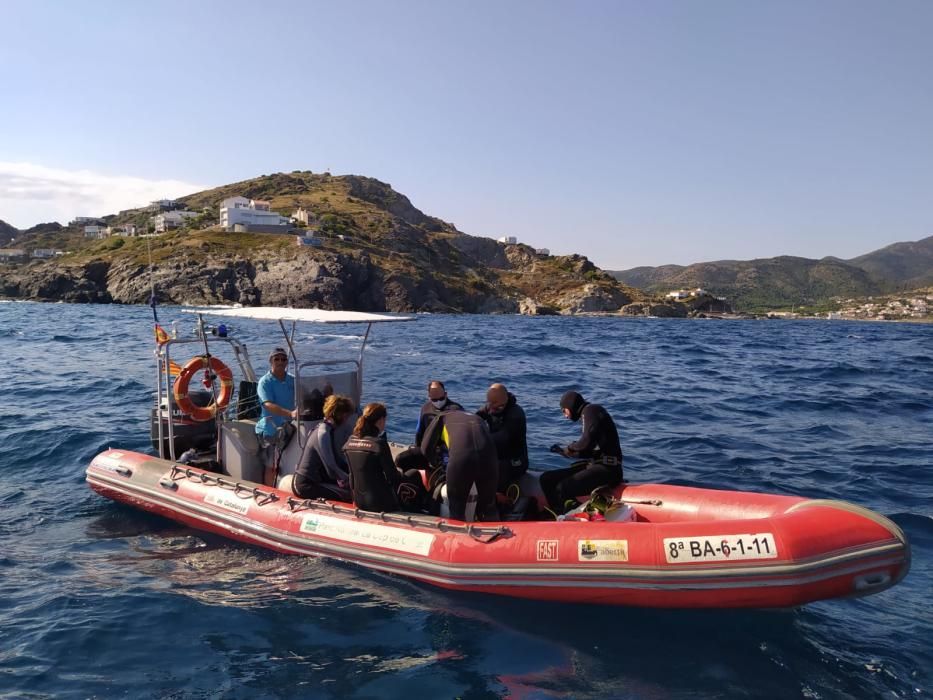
[374, 479]
[322, 469]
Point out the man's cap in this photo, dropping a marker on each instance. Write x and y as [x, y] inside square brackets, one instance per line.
[276, 352]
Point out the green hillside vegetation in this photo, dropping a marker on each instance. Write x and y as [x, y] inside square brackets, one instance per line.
[901, 265]
[787, 282]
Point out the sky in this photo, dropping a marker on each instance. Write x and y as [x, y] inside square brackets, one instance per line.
[635, 133]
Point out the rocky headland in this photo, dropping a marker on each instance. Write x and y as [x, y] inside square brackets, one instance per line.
[373, 251]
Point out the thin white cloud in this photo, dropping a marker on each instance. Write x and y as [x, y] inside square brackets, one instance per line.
[31, 194]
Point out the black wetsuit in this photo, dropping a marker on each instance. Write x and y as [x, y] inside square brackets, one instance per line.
[322, 469]
[428, 413]
[598, 445]
[509, 430]
[471, 460]
[374, 479]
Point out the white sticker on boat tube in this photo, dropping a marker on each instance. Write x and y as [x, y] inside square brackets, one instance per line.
[602, 550]
[686, 550]
[368, 534]
[228, 501]
[108, 461]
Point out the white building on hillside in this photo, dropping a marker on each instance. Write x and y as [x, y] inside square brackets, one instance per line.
[171, 219]
[45, 253]
[95, 231]
[128, 230]
[303, 216]
[508, 240]
[248, 212]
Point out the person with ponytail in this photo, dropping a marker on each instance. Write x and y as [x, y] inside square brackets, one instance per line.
[375, 481]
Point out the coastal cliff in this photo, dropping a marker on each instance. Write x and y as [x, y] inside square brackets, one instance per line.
[374, 251]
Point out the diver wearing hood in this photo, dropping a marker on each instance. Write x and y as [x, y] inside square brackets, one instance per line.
[598, 446]
[437, 403]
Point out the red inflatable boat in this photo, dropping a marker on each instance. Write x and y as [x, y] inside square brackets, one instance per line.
[684, 547]
[687, 547]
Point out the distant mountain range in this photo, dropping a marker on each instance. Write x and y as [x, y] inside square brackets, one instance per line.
[769, 283]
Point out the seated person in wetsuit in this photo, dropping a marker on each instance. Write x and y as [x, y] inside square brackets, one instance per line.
[374, 479]
[506, 421]
[471, 459]
[598, 446]
[313, 404]
[437, 402]
[322, 468]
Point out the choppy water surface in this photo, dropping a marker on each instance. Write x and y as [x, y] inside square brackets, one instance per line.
[99, 600]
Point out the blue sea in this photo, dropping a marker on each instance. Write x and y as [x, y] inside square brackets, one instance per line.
[98, 600]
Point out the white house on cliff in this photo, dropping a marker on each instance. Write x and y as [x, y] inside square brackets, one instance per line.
[249, 213]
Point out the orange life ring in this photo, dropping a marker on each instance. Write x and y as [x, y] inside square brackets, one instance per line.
[180, 388]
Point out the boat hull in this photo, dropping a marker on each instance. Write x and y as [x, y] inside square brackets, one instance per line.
[689, 548]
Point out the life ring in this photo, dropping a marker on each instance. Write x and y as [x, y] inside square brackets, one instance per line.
[180, 388]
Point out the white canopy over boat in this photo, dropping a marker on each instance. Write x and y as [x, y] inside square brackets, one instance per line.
[281, 313]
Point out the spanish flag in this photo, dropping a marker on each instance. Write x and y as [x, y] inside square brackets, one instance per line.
[173, 369]
[160, 335]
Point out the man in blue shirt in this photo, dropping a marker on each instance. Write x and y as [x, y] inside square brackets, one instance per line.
[276, 393]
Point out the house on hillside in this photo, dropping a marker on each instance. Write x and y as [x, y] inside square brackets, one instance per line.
[95, 231]
[171, 219]
[84, 221]
[542, 251]
[45, 253]
[688, 294]
[165, 205]
[303, 216]
[126, 230]
[13, 255]
[251, 215]
[507, 240]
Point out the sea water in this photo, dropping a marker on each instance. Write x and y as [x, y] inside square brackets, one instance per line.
[98, 600]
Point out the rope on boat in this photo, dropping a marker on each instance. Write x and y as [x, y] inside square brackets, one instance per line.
[477, 532]
[239, 489]
[482, 534]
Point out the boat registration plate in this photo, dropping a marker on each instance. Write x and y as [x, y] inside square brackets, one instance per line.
[686, 550]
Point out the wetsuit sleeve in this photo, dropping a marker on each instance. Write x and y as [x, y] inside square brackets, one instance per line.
[590, 432]
[424, 420]
[419, 430]
[329, 457]
[388, 466]
[515, 431]
[431, 437]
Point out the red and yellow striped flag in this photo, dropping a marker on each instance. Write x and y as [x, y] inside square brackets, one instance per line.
[160, 335]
